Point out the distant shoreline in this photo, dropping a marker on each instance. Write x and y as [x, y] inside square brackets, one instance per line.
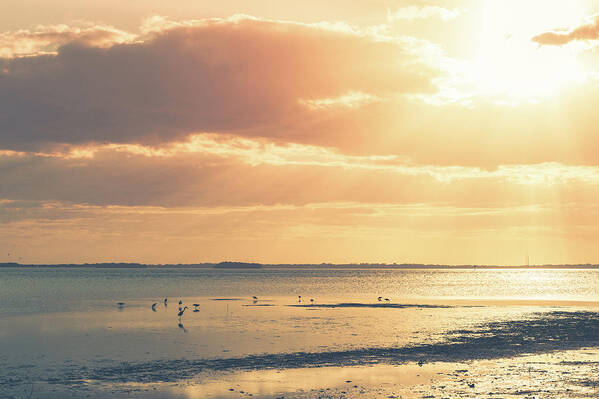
[244, 265]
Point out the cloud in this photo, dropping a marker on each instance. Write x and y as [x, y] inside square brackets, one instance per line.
[588, 31]
[352, 99]
[47, 39]
[414, 12]
[195, 200]
[213, 171]
[233, 75]
[321, 85]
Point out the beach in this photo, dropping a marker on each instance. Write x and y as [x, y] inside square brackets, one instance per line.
[79, 342]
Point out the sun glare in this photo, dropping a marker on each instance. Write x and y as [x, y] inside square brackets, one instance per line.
[509, 63]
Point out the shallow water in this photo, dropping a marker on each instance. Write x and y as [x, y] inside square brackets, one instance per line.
[50, 290]
[61, 330]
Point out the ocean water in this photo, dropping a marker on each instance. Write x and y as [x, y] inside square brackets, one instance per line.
[62, 333]
[26, 291]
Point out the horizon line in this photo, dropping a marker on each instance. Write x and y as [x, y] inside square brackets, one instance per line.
[249, 265]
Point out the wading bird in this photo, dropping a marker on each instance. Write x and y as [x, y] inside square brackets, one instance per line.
[165, 301]
[180, 302]
[196, 307]
[387, 300]
[181, 311]
[255, 297]
[154, 306]
[380, 298]
[299, 298]
[312, 301]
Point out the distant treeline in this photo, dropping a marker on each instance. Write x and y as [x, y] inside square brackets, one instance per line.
[247, 265]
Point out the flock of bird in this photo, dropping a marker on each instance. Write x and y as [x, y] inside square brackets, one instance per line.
[182, 308]
[196, 305]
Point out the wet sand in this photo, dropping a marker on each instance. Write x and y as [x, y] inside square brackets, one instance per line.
[544, 354]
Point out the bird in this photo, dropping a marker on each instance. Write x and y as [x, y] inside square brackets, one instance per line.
[380, 298]
[312, 300]
[387, 300]
[165, 301]
[154, 306]
[180, 302]
[196, 307]
[255, 297]
[181, 311]
[120, 304]
[299, 298]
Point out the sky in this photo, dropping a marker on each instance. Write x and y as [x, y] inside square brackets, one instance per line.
[407, 131]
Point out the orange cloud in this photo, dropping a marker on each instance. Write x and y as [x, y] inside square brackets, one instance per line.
[559, 38]
[240, 172]
[310, 84]
[47, 39]
[239, 74]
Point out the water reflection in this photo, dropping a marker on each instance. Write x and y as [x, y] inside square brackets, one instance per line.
[272, 383]
[180, 325]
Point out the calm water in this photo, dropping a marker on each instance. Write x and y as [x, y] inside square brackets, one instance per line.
[62, 331]
[51, 290]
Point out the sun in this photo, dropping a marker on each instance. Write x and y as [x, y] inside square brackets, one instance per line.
[508, 63]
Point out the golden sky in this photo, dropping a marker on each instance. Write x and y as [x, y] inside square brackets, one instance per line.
[451, 132]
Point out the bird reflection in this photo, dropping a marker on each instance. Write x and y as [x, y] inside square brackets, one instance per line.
[180, 324]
